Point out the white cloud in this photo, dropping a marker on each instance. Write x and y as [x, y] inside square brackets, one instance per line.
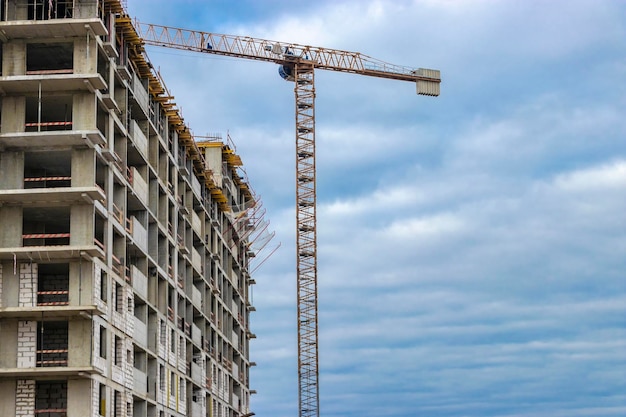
[428, 227]
[611, 176]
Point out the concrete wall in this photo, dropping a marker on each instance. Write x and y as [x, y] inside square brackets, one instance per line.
[7, 398]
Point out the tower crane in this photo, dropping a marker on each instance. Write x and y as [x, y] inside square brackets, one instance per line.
[297, 63]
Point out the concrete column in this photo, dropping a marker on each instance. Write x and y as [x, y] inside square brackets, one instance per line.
[81, 225]
[85, 55]
[80, 339]
[14, 58]
[10, 285]
[28, 285]
[25, 398]
[83, 167]
[13, 112]
[84, 111]
[86, 9]
[8, 347]
[81, 398]
[18, 10]
[82, 282]
[11, 227]
[11, 170]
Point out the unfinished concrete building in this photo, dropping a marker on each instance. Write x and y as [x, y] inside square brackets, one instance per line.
[124, 244]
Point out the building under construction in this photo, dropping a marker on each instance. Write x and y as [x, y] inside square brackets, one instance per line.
[124, 243]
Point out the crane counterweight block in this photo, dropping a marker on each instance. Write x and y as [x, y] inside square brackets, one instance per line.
[429, 82]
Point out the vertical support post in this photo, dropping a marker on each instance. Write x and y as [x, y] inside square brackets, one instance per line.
[39, 108]
[306, 241]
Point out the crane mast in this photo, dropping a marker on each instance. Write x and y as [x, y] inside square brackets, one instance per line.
[306, 240]
[297, 64]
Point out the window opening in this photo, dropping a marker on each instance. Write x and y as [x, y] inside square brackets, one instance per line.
[52, 343]
[50, 58]
[51, 399]
[53, 284]
[103, 342]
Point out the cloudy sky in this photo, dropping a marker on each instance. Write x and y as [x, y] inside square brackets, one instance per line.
[471, 246]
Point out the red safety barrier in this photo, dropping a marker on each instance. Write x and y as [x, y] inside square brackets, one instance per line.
[38, 179]
[45, 235]
[36, 124]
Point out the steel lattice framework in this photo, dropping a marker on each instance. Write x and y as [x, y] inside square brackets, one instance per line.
[299, 63]
[308, 374]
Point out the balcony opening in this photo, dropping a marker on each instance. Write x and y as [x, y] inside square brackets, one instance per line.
[50, 58]
[48, 226]
[48, 113]
[49, 9]
[118, 256]
[99, 229]
[51, 399]
[103, 69]
[52, 343]
[101, 174]
[53, 284]
[49, 169]
[102, 123]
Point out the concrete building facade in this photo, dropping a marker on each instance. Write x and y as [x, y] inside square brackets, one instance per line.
[124, 243]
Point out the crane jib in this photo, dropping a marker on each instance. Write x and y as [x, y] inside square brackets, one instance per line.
[283, 53]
